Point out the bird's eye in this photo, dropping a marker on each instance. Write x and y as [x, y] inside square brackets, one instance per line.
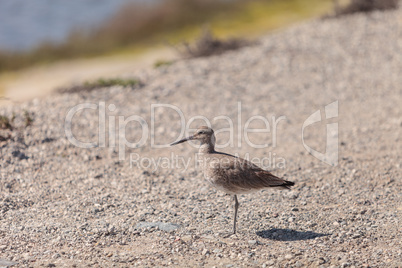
[201, 132]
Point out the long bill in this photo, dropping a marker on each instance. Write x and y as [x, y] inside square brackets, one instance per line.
[182, 140]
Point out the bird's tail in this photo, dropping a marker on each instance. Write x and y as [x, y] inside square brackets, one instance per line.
[284, 184]
[287, 184]
[267, 179]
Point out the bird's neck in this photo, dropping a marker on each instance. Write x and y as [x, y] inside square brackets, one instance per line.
[206, 148]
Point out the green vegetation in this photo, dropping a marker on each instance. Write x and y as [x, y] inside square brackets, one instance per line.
[163, 63]
[135, 27]
[28, 120]
[112, 82]
[8, 124]
[99, 83]
[5, 122]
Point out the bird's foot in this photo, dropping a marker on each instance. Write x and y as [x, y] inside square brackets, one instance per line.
[227, 235]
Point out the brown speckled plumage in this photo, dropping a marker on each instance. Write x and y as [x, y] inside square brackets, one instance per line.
[231, 174]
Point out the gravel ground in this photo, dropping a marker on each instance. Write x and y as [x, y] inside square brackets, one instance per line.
[66, 206]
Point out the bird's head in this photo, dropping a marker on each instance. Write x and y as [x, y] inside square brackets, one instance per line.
[203, 134]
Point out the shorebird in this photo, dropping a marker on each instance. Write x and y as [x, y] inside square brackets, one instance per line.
[231, 174]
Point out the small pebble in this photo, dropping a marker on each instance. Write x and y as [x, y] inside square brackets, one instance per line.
[252, 242]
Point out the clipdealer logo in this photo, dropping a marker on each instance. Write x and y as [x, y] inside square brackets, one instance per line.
[114, 136]
[330, 155]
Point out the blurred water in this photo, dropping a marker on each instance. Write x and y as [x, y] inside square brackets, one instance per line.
[26, 23]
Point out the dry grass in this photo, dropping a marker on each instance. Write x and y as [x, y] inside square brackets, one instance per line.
[139, 26]
[207, 45]
[133, 24]
[356, 6]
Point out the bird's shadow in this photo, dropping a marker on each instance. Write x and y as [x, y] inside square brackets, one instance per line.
[288, 234]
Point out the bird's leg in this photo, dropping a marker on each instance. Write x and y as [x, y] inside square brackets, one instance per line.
[235, 213]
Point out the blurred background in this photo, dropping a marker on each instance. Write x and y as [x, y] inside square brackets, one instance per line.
[45, 44]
